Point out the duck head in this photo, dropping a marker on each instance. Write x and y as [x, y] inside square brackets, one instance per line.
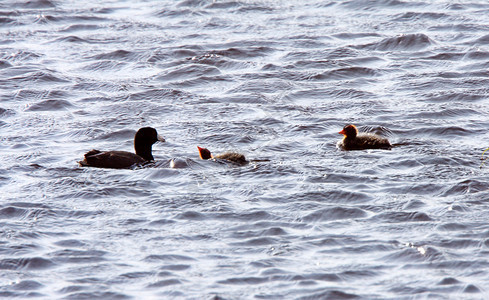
[204, 153]
[349, 131]
[144, 140]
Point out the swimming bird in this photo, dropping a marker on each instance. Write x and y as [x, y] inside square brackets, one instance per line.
[143, 141]
[361, 141]
[230, 156]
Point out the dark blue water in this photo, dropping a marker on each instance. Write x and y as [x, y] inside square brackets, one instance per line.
[276, 81]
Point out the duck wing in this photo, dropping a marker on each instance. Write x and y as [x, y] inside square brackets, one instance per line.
[111, 159]
[372, 141]
[233, 157]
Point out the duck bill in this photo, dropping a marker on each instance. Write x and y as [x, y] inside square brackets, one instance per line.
[160, 138]
[342, 132]
[201, 151]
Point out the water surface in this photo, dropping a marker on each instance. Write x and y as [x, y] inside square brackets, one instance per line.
[276, 81]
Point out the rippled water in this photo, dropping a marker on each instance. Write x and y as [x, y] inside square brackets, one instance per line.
[276, 81]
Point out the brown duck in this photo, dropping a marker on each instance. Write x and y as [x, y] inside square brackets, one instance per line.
[143, 142]
[230, 156]
[361, 141]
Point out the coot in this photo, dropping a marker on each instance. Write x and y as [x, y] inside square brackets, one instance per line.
[361, 141]
[143, 141]
[230, 156]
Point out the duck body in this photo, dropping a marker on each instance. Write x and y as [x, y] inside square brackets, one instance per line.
[361, 141]
[232, 157]
[111, 159]
[143, 142]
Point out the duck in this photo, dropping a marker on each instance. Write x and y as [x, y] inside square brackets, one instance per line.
[361, 141]
[235, 158]
[143, 141]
